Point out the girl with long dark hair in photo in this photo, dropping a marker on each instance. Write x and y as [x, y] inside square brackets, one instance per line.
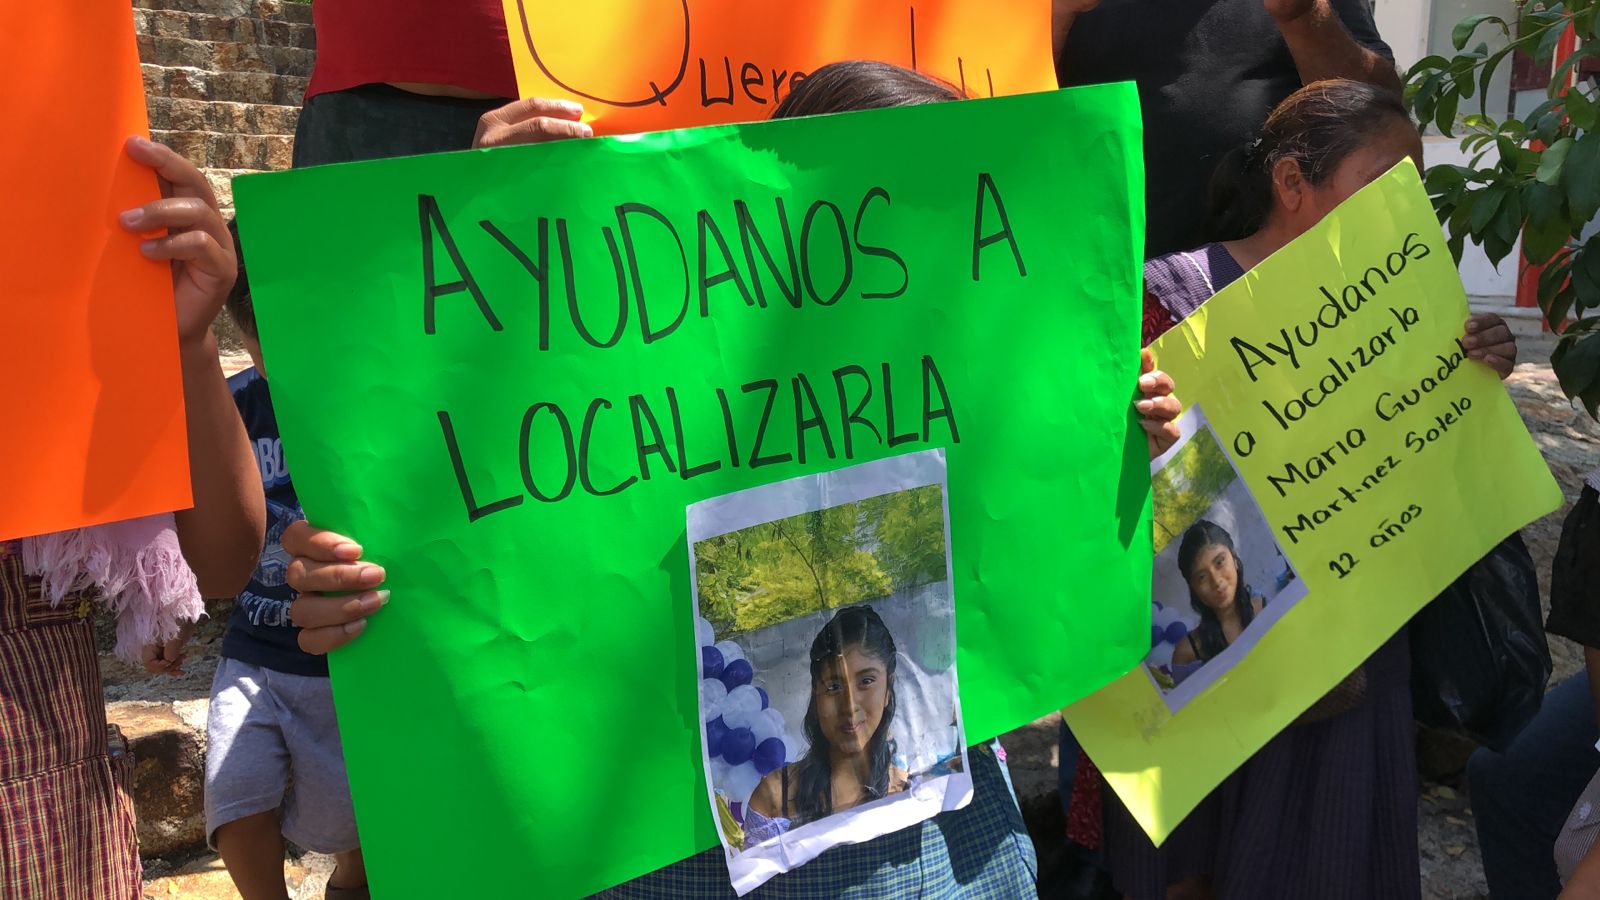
[1217, 592]
[849, 757]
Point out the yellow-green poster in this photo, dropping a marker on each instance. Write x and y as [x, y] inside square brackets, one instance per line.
[1342, 462]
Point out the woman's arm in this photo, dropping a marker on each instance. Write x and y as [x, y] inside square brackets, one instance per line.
[1323, 48]
[1183, 653]
[1062, 14]
[221, 534]
[1585, 882]
[767, 799]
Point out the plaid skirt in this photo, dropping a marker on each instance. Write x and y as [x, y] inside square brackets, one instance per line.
[66, 814]
[979, 852]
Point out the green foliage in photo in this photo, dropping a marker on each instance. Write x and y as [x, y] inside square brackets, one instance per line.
[819, 560]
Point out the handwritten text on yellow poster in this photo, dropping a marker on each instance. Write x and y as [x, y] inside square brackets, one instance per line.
[1382, 461]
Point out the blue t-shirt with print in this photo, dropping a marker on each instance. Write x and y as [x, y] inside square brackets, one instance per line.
[260, 632]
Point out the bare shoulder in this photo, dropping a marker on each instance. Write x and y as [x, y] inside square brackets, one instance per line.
[767, 798]
[1183, 653]
[1257, 602]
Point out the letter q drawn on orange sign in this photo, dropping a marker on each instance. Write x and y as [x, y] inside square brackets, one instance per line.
[646, 65]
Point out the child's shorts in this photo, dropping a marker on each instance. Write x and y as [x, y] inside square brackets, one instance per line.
[273, 744]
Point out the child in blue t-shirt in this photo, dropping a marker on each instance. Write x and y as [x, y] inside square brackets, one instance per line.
[274, 765]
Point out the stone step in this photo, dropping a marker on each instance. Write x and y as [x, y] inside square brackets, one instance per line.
[267, 10]
[225, 56]
[224, 117]
[206, 878]
[222, 185]
[191, 83]
[174, 23]
[168, 744]
[211, 150]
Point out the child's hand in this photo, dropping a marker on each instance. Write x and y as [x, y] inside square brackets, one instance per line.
[1491, 342]
[325, 563]
[531, 121]
[1156, 406]
[196, 241]
[167, 658]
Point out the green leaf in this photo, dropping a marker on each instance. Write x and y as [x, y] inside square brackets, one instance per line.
[1552, 159]
[1524, 162]
[1426, 98]
[1549, 126]
[1427, 64]
[1445, 113]
[1546, 50]
[1581, 110]
[1486, 74]
[1508, 152]
[1496, 248]
[1544, 239]
[1577, 365]
[1457, 224]
[1580, 176]
[1556, 308]
[1556, 278]
[1508, 220]
[1545, 203]
[1446, 184]
[1464, 29]
[1586, 276]
[1584, 21]
[1484, 211]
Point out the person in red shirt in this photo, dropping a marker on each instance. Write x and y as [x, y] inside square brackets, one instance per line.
[402, 77]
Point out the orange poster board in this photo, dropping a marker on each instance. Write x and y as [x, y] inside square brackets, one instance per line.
[646, 65]
[91, 400]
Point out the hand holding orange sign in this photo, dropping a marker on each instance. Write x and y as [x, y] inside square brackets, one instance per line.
[645, 65]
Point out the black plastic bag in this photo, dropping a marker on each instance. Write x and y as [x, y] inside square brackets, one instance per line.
[1479, 660]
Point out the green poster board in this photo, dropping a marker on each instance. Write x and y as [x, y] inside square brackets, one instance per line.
[507, 373]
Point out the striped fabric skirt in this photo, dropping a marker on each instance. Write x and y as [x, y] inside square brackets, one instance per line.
[66, 814]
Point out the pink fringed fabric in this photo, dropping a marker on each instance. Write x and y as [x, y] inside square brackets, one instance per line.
[135, 565]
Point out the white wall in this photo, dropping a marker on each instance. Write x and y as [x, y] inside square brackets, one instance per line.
[1404, 24]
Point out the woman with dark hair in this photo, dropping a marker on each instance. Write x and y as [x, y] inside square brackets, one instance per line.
[861, 84]
[1217, 592]
[1328, 808]
[848, 760]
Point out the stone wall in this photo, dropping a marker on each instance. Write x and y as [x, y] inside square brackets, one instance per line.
[225, 80]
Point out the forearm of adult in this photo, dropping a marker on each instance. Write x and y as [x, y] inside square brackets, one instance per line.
[1323, 48]
[221, 534]
[1061, 18]
[1062, 14]
[1585, 883]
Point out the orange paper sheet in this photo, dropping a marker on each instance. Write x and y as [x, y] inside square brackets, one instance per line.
[646, 65]
[91, 400]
